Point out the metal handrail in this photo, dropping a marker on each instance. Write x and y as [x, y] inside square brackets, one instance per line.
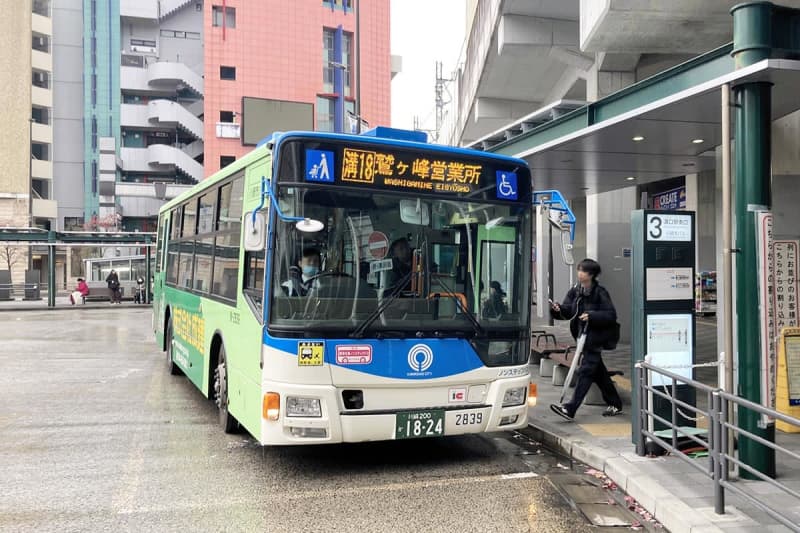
[720, 404]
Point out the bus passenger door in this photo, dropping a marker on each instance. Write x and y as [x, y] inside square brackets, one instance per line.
[157, 285]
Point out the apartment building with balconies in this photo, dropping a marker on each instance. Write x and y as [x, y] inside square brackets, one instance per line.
[160, 145]
[26, 139]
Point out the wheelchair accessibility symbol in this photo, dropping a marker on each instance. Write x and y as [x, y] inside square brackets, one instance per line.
[506, 185]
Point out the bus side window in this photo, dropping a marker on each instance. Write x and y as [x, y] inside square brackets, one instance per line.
[253, 282]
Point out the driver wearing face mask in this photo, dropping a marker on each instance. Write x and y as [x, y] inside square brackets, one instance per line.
[302, 275]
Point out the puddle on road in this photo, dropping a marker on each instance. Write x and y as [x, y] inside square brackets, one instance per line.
[585, 489]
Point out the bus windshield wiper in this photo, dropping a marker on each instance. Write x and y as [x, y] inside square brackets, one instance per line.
[471, 317]
[362, 327]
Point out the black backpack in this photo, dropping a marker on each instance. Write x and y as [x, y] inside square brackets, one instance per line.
[612, 337]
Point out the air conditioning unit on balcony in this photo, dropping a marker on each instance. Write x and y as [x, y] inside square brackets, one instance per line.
[143, 49]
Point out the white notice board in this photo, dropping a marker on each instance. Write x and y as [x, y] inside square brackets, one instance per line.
[669, 227]
[669, 284]
[669, 343]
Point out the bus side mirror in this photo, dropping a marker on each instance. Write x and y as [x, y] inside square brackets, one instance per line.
[255, 231]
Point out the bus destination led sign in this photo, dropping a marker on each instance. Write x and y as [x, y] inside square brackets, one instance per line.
[408, 172]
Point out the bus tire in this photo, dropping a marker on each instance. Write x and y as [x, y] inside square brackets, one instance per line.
[226, 420]
[171, 366]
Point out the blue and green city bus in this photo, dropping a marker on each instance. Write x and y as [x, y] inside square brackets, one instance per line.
[338, 288]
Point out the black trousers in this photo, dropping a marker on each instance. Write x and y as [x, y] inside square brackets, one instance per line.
[593, 370]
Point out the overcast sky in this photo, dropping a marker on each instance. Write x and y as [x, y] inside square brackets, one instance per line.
[423, 32]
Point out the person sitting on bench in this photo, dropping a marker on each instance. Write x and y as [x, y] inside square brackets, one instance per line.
[80, 292]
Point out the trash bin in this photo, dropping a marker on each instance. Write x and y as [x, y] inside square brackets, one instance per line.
[33, 289]
[5, 285]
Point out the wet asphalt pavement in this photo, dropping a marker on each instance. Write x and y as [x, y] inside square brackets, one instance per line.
[95, 435]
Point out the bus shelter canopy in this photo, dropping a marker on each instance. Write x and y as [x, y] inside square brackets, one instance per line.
[648, 132]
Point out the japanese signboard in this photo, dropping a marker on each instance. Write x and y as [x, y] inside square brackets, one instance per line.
[669, 227]
[401, 168]
[766, 288]
[787, 394]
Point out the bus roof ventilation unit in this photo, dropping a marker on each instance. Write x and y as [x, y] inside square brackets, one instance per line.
[397, 134]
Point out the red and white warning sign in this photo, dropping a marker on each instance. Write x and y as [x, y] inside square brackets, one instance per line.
[378, 244]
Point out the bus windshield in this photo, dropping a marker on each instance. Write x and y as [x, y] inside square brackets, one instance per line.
[368, 264]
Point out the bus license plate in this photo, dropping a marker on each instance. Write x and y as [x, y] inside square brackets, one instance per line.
[418, 424]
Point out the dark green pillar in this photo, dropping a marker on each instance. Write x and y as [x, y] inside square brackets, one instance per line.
[753, 144]
[148, 255]
[752, 42]
[51, 269]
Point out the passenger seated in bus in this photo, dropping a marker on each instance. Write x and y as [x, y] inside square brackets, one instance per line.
[400, 252]
[301, 275]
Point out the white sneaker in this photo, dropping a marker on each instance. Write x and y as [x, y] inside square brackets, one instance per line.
[612, 411]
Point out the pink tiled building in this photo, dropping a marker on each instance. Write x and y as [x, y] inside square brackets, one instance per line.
[281, 50]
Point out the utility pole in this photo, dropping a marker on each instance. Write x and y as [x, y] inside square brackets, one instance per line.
[357, 107]
[440, 88]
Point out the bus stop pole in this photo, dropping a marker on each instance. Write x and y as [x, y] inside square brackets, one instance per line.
[51, 269]
[147, 273]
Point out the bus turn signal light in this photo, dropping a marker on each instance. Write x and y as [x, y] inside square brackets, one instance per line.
[271, 409]
[532, 395]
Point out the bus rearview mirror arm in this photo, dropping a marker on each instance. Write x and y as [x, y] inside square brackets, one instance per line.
[267, 192]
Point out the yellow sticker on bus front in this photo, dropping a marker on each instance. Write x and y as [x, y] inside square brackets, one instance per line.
[310, 353]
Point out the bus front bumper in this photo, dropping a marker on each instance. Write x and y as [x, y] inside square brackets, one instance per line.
[399, 414]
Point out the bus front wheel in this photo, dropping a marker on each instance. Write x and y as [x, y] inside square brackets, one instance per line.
[171, 366]
[226, 420]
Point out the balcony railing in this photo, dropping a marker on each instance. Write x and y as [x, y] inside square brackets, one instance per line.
[228, 130]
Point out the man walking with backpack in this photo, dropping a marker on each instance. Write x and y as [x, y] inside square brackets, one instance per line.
[590, 311]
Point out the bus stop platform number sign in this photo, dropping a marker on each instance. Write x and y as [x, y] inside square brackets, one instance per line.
[310, 353]
[418, 424]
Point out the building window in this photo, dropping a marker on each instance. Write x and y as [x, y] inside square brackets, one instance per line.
[217, 19]
[325, 116]
[347, 5]
[40, 187]
[40, 79]
[226, 116]
[225, 160]
[73, 223]
[40, 43]
[329, 63]
[227, 73]
[41, 7]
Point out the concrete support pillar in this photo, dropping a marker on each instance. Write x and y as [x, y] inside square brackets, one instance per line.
[607, 235]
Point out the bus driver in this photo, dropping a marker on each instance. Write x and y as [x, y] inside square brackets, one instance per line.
[301, 275]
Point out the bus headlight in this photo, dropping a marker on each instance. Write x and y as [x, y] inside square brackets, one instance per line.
[307, 407]
[515, 396]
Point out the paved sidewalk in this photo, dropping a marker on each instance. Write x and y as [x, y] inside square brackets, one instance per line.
[678, 495]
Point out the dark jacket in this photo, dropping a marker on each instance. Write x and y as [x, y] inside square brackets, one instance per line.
[295, 286]
[113, 281]
[602, 315]
[494, 307]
